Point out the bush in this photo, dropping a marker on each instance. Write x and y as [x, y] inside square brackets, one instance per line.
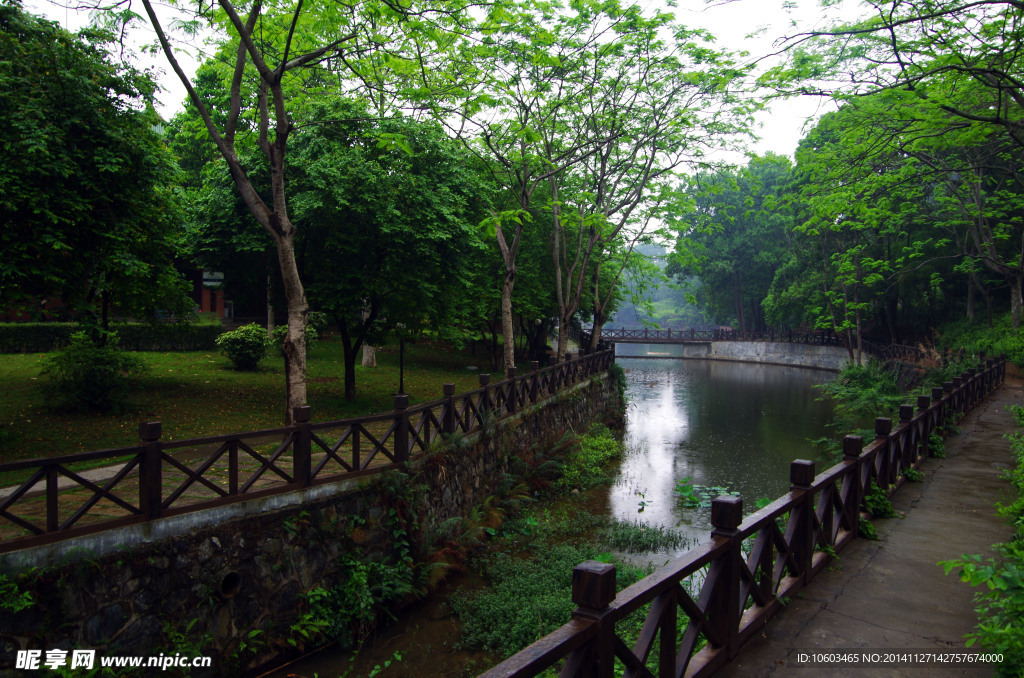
[585, 465]
[1000, 602]
[862, 393]
[279, 333]
[978, 337]
[158, 336]
[526, 600]
[86, 375]
[245, 347]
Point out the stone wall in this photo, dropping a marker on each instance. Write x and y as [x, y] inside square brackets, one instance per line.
[232, 582]
[774, 353]
[781, 353]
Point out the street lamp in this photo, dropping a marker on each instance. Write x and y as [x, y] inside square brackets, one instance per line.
[399, 327]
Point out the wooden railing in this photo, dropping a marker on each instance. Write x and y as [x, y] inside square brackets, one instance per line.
[157, 478]
[702, 607]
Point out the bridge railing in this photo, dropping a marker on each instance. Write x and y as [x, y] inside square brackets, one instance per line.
[702, 607]
[55, 499]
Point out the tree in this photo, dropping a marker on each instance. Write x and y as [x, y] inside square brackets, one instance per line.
[86, 190]
[910, 45]
[733, 231]
[597, 102]
[390, 231]
[281, 55]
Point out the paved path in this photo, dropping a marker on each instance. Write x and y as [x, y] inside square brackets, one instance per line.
[890, 594]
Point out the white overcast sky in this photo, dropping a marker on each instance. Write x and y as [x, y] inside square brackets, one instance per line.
[732, 22]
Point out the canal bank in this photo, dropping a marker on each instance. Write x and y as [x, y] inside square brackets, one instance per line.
[718, 423]
[816, 356]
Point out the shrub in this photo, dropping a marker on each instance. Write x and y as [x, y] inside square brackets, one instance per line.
[42, 337]
[526, 600]
[245, 347]
[585, 466]
[280, 331]
[864, 392]
[1000, 339]
[86, 375]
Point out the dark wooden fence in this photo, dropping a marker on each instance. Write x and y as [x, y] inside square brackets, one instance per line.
[159, 478]
[702, 607]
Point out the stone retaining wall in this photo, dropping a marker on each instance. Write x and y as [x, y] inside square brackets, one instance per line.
[231, 582]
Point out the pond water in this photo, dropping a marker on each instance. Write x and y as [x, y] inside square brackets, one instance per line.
[720, 424]
[734, 425]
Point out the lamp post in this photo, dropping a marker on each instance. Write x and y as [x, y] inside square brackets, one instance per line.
[401, 358]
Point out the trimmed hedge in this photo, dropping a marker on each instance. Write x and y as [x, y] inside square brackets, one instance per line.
[46, 337]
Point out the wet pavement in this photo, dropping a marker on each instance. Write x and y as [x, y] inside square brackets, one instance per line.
[890, 596]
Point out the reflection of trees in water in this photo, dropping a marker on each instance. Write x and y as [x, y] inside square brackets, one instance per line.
[737, 425]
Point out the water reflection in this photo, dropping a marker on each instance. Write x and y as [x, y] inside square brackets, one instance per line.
[736, 425]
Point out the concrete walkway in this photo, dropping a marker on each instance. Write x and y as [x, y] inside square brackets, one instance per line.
[890, 594]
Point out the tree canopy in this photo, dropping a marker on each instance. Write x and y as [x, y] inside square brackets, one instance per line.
[87, 189]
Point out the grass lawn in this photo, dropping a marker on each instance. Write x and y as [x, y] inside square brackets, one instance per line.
[200, 394]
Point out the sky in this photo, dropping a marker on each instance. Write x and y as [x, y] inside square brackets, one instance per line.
[731, 21]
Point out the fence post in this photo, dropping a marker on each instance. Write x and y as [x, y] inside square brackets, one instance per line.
[883, 427]
[150, 480]
[302, 462]
[923, 402]
[724, 607]
[801, 477]
[909, 451]
[852, 487]
[938, 393]
[448, 419]
[485, 397]
[534, 381]
[511, 392]
[401, 428]
[593, 589]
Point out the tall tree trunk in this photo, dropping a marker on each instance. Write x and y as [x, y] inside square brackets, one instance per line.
[595, 334]
[270, 306]
[507, 329]
[295, 340]
[1016, 302]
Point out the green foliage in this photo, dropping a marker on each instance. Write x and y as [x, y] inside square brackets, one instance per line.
[936, 445]
[12, 598]
[281, 331]
[618, 376]
[157, 336]
[1014, 511]
[245, 347]
[701, 496]
[913, 475]
[586, 463]
[89, 210]
[866, 529]
[863, 393]
[732, 236]
[346, 613]
[636, 537]
[86, 375]
[878, 504]
[526, 600]
[999, 605]
[976, 337]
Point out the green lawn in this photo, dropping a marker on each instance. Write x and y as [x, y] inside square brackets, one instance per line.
[200, 394]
